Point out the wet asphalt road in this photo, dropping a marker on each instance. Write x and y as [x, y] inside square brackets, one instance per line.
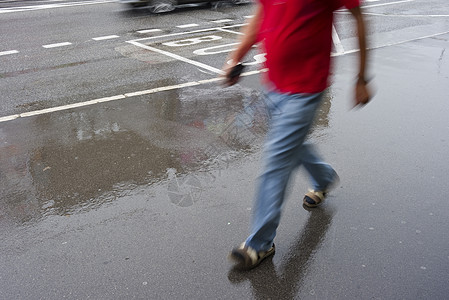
[144, 196]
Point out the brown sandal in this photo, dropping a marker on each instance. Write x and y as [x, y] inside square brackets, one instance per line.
[314, 198]
[246, 258]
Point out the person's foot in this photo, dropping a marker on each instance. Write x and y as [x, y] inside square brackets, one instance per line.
[314, 198]
[246, 258]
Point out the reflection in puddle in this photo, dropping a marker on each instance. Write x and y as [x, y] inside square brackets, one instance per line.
[94, 170]
[67, 162]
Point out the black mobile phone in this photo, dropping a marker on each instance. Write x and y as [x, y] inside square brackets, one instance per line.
[236, 71]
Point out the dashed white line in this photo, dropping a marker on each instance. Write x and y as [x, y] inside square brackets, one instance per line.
[249, 17]
[8, 52]
[187, 25]
[222, 21]
[149, 31]
[106, 37]
[57, 45]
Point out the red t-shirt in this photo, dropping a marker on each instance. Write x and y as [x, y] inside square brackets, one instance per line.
[297, 38]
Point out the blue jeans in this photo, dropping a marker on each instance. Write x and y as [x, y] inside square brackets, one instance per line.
[291, 116]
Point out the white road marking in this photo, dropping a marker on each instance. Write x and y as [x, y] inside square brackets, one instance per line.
[404, 15]
[391, 44]
[210, 80]
[178, 86]
[175, 56]
[337, 41]
[161, 89]
[70, 106]
[149, 30]
[385, 4]
[231, 31]
[187, 25]
[222, 21]
[193, 41]
[50, 6]
[9, 52]
[9, 118]
[57, 45]
[119, 97]
[377, 5]
[187, 32]
[107, 37]
[249, 17]
[223, 49]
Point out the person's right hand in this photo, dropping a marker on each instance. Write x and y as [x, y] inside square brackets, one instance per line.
[227, 68]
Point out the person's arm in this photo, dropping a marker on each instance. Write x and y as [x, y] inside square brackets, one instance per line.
[248, 39]
[362, 94]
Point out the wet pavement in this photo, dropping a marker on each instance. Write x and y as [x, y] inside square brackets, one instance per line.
[144, 198]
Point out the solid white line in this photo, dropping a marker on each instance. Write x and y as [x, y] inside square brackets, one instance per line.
[120, 97]
[161, 89]
[385, 4]
[175, 56]
[375, 5]
[107, 37]
[9, 118]
[222, 21]
[337, 42]
[391, 44]
[149, 30]
[404, 16]
[9, 52]
[50, 6]
[106, 99]
[254, 72]
[187, 25]
[57, 45]
[210, 80]
[70, 106]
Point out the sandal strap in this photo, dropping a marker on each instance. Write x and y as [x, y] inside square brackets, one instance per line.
[316, 196]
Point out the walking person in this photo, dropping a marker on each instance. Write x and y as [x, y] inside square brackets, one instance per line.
[297, 38]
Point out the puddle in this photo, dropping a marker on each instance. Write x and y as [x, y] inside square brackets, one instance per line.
[69, 162]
